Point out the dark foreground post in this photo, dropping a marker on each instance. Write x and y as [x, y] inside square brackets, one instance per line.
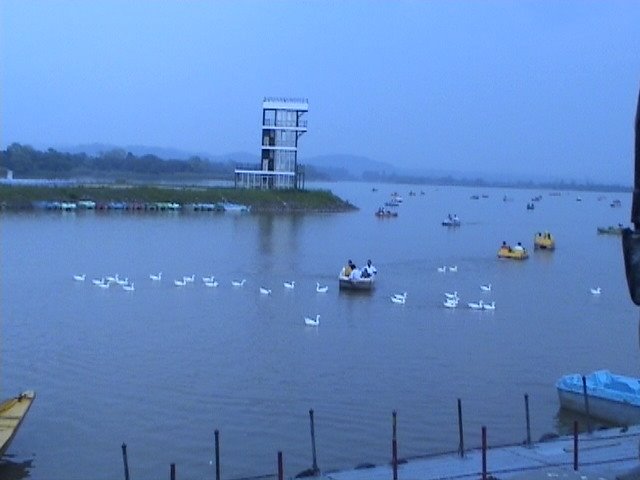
[313, 444]
[586, 403]
[280, 467]
[217, 436]
[126, 462]
[484, 453]
[394, 447]
[526, 409]
[460, 432]
[172, 473]
[575, 445]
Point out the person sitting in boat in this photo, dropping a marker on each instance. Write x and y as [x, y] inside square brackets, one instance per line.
[455, 217]
[369, 270]
[504, 246]
[356, 274]
[519, 247]
[348, 268]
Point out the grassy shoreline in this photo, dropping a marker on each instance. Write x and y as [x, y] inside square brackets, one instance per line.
[16, 197]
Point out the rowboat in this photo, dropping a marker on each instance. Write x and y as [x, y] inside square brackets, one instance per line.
[515, 254]
[12, 412]
[611, 397]
[544, 241]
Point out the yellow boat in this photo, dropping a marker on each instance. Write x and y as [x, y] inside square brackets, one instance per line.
[544, 241]
[12, 412]
[515, 254]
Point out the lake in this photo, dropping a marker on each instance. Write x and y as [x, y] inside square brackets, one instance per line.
[162, 367]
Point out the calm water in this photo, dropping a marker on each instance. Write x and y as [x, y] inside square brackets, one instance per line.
[162, 367]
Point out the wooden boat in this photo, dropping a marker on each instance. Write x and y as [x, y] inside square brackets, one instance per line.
[451, 222]
[12, 412]
[610, 230]
[507, 252]
[611, 397]
[544, 241]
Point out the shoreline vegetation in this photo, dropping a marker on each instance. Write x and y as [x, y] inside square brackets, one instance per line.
[154, 197]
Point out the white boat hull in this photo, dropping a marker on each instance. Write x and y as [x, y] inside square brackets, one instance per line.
[363, 284]
[603, 409]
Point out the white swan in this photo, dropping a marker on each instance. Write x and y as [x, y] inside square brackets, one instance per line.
[104, 285]
[128, 287]
[489, 306]
[190, 279]
[453, 269]
[321, 289]
[291, 284]
[486, 287]
[98, 281]
[238, 283]
[156, 278]
[442, 269]
[450, 303]
[80, 278]
[111, 279]
[452, 296]
[402, 296]
[208, 279]
[476, 306]
[214, 283]
[399, 300]
[180, 283]
[596, 291]
[265, 291]
[122, 281]
[311, 322]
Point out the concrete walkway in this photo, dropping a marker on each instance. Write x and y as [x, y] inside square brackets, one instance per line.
[604, 454]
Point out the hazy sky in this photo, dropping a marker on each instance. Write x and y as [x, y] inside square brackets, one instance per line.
[536, 88]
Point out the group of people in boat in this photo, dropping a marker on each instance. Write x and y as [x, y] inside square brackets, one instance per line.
[354, 273]
[509, 248]
[545, 235]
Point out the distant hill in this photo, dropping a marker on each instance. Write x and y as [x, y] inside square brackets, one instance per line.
[355, 165]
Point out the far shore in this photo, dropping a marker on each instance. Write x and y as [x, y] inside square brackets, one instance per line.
[149, 197]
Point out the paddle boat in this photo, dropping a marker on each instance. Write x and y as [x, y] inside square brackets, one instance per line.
[515, 253]
[544, 241]
[611, 230]
[611, 397]
[382, 213]
[12, 413]
[451, 221]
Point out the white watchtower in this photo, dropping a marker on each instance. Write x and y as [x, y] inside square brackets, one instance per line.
[282, 125]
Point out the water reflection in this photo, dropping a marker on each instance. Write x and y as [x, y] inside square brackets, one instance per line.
[10, 470]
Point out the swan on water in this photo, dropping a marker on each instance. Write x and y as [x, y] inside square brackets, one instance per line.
[596, 291]
[265, 291]
[190, 279]
[399, 300]
[321, 288]
[122, 281]
[208, 279]
[291, 284]
[214, 283]
[111, 279]
[80, 278]
[476, 306]
[442, 269]
[402, 296]
[452, 296]
[453, 269]
[238, 283]
[104, 285]
[489, 306]
[486, 287]
[311, 322]
[156, 278]
[98, 281]
[128, 287]
[180, 283]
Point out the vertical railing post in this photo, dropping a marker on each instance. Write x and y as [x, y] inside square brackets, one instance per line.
[526, 409]
[217, 441]
[313, 443]
[586, 403]
[460, 432]
[126, 461]
[575, 446]
[484, 453]
[394, 447]
[172, 472]
[280, 467]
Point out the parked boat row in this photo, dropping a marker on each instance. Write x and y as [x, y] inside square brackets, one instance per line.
[141, 206]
